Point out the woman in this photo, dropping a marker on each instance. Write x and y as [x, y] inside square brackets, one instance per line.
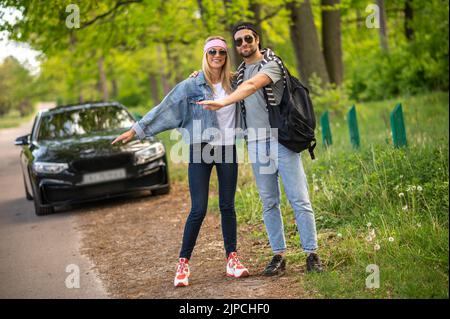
[179, 109]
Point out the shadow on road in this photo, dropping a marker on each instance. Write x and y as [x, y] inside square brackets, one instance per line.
[20, 210]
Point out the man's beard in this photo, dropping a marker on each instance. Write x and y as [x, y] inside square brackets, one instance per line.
[248, 54]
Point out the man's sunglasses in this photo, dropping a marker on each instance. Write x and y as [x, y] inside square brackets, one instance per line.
[248, 39]
[213, 52]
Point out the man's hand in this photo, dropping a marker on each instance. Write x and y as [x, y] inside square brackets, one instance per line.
[212, 105]
[125, 137]
[194, 74]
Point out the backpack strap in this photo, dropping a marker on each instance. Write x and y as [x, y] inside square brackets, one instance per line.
[269, 55]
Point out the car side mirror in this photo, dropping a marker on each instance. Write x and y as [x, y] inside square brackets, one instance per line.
[23, 140]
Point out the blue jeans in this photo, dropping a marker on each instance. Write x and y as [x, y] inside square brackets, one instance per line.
[269, 160]
[199, 172]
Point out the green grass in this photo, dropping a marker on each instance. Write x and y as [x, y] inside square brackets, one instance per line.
[14, 119]
[350, 189]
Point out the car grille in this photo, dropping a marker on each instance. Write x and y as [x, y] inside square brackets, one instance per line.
[103, 163]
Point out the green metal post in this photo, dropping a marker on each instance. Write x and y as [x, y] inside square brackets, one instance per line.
[353, 127]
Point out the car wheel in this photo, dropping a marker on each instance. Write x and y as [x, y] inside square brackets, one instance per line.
[161, 191]
[27, 194]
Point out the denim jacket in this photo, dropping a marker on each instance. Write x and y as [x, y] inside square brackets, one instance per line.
[179, 110]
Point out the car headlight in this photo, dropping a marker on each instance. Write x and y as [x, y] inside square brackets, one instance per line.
[149, 153]
[49, 168]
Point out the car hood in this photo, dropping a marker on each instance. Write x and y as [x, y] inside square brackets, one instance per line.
[67, 150]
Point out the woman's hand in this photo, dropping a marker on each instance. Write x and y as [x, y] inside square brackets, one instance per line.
[211, 105]
[125, 137]
[194, 74]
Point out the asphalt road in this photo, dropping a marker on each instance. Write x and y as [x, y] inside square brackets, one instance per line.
[39, 256]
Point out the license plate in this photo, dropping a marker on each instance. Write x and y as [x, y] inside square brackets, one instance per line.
[104, 176]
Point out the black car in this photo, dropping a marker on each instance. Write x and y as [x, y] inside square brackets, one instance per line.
[68, 157]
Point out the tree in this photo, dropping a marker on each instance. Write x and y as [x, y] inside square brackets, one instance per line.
[331, 38]
[409, 13]
[16, 86]
[305, 41]
[383, 32]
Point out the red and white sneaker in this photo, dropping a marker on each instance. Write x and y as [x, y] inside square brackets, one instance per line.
[182, 275]
[235, 268]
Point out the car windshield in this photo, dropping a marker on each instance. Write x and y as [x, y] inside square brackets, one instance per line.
[82, 122]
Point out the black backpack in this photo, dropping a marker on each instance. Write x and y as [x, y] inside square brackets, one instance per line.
[294, 115]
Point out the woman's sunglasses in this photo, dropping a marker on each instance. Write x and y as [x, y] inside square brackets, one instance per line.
[213, 52]
[248, 39]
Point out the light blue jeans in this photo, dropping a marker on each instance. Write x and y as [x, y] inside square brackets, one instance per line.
[269, 160]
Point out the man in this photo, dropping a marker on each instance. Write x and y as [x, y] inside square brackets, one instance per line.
[263, 148]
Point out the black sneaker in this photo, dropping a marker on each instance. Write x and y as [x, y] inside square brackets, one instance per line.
[313, 263]
[276, 267]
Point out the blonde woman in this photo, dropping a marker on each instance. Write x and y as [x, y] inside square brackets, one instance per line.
[179, 109]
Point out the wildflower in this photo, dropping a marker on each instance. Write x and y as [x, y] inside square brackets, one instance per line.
[413, 188]
[419, 188]
[316, 188]
[376, 247]
[369, 238]
[405, 207]
[339, 235]
[369, 224]
[401, 195]
[391, 239]
[372, 233]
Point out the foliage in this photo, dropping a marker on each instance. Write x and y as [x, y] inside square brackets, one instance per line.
[15, 87]
[141, 40]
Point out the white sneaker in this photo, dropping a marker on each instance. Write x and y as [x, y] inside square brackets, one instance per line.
[235, 268]
[182, 275]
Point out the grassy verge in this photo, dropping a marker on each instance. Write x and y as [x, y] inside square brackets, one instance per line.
[13, 119]
[374, 206]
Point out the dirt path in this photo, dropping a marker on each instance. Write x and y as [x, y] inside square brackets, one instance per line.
[134, 245]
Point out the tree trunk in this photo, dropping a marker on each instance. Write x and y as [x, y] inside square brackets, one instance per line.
[162, 71]
[153, 81]
[174, 63]
[203, 15]
[115, 88]
[235, 59]
[306, 42]
[103, 85]
[383, 26]
[255, 7]
[409, 13]
[331, 38]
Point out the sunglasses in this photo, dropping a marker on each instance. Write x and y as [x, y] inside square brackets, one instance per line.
[213, 52]
[248, 39]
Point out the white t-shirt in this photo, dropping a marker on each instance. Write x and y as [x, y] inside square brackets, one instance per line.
[226, 116]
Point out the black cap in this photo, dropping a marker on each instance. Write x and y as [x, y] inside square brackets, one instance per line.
[244, 25]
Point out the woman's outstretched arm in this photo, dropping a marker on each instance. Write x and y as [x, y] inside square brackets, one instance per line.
[167, 115]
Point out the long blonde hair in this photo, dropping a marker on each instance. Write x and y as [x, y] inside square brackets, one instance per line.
[225, 74]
